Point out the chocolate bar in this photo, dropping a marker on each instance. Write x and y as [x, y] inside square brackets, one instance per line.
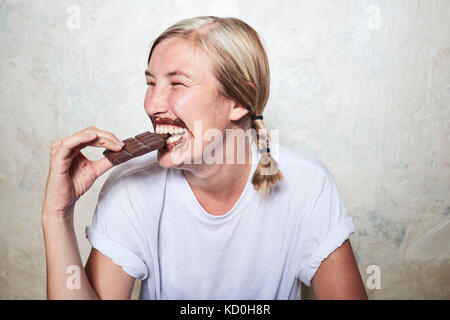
[137, 146]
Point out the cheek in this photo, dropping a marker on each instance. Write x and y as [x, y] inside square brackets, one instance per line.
[180, 101]
[192, 106]
[185, 105]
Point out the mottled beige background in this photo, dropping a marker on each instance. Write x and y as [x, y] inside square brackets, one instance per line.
[364, 85]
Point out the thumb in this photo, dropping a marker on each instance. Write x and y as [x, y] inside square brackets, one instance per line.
[101, 166]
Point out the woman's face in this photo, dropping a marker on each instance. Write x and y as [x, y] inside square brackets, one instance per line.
[182, 99]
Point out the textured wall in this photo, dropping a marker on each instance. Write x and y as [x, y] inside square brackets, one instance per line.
[364, 85]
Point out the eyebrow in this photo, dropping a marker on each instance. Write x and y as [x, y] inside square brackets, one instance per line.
[170, 74]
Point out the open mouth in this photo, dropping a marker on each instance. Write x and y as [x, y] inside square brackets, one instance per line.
[177, 135]
[176, 128]
[174, 141]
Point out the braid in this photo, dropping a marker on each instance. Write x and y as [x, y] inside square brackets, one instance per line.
[267, 174]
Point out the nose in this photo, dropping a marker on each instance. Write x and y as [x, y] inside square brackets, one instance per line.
[156, 101]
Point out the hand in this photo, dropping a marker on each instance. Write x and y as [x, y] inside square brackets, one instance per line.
[71, 174]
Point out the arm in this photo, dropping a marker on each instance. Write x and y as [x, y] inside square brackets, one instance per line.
[101, 278]
[338, 277]
[70, 176]
[61, 251]
[108, 279]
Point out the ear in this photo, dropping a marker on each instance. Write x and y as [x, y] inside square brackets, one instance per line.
[237, 112]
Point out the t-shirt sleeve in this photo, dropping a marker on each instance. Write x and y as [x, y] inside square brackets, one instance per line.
[325, 228]
[114, 232]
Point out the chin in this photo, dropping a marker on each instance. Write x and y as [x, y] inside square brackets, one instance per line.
[167, 160]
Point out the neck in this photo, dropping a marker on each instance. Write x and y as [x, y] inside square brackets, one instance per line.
[220, 181]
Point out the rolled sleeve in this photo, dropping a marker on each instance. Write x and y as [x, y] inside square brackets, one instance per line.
[325, 230]
[119, 254]
[336, 238]
[116, 231]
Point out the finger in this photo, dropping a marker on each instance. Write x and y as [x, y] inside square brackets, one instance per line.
[109, 143]
[106, 134]
[102, 142]
[67, 145]
[107, 140]
[101, 166]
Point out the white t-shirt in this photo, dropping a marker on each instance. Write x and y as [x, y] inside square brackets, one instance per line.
[149, 222]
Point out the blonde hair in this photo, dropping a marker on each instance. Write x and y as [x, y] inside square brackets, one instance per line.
[240, 64]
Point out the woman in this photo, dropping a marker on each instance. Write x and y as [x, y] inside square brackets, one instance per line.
[192, 228]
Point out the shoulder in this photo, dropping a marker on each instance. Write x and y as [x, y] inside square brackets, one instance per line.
[310, 188]
[304, 177]
[138, 175]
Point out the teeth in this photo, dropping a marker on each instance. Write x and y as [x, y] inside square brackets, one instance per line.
[169, 129]
[173, 139]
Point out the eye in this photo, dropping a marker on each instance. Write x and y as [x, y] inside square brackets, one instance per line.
[176, 83]
[150, 83]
